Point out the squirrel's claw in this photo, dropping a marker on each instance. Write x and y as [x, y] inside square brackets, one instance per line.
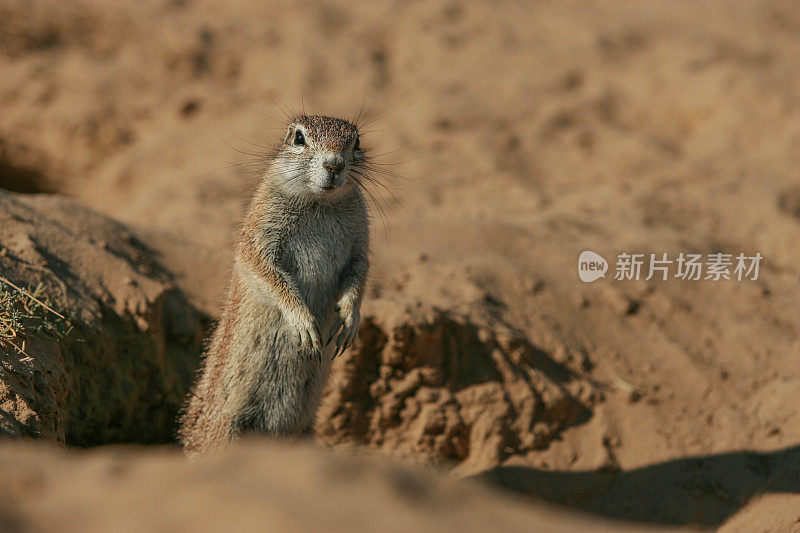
[346, 336]
[309, 339]
[340, 346]
[351, 336]
[337, 324]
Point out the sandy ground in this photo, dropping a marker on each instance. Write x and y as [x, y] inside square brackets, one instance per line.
[250, 488]
[525, 133]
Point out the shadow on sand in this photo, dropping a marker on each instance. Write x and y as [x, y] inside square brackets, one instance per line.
[702, 490]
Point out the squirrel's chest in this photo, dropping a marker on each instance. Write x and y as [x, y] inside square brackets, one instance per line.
[316, 251]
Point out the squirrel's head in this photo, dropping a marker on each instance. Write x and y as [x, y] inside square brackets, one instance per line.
[317, 155]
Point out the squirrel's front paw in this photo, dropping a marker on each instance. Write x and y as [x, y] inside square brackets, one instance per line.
[345, 327]
[308, 337]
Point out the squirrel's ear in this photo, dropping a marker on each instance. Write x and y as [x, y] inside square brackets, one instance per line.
[289, 132]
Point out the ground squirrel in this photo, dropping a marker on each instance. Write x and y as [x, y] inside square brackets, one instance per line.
[299, 272]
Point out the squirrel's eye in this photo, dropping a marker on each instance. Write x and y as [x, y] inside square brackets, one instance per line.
[357, 146]
[299, 139]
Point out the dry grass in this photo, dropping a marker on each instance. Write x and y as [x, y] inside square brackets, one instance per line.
[25, 313]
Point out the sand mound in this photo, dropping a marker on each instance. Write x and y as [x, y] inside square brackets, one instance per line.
[116, 366]
[431, 385]
[250, 488]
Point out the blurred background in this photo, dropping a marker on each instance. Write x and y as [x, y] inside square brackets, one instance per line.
[513, 135]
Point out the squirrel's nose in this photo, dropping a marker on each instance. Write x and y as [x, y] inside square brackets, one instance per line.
[334, 164]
